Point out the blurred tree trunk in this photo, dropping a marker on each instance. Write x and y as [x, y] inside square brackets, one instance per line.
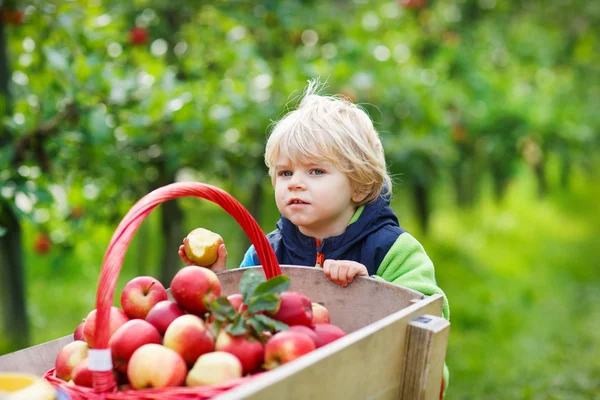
[421, 195]
[12, 281]
[500, 179]
[540, 175]
[171, 222]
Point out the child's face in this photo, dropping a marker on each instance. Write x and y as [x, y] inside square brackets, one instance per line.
[316, 197]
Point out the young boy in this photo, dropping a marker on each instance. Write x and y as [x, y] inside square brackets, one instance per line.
[332, 188]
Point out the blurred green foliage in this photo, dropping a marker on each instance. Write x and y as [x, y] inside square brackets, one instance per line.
[488, 112]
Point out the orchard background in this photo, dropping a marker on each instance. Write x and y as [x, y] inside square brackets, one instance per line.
[488, 111]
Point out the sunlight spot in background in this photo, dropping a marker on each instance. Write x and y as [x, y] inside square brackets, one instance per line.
[28, 44]
[114, 50]
[370, 21]
[159, 47]
[329, 50]
[102, 20]
[362, 80]
[232, 135]
[401, 53]
[180, 48]
[390, 10]
[381, 53]
[23, 202]
[90, 191]
[41, 215]
[236, 33]
[309, 37]
[262, 81]
[20, 78]
[19, 119]
[25, 59]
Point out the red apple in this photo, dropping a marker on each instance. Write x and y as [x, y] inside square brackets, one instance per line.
[78, 334]
[82, 375]
[320, 314]
[162, 314]
[413, 3]
[286, 346]
[140, 295]
[237, 302]
[190, 337]
[138, 36]
[202, 246]
[116, 318]
[128, 338]
[194, 287]
[327, 333]
[248, 350]
[155, 366]
[213, 368]
[68, 358]
[294, 309]
[42, 244]
[306, 330]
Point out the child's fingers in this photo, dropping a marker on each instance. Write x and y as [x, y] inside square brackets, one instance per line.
[344, 269]
[221, 263]
[327, 268]
[183, 257]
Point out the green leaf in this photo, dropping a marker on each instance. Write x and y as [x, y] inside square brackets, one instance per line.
[265, 302]
[272, 324]
[277, 284]
[222, 309]
[238, 327]
[215, 328]
[258, 325]
[251, 279]
[2, 231]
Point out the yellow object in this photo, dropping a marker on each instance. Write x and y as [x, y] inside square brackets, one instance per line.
[202, 246]
[15, 386]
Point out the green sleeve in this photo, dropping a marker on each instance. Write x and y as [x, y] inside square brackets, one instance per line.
[407, 264]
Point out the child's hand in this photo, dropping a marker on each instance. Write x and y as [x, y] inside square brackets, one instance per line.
[343, 272]
[219, 265]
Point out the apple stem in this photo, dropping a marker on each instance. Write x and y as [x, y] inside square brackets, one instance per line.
[149, 287]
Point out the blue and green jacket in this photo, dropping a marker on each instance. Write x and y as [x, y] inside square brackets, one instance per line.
[373, 238]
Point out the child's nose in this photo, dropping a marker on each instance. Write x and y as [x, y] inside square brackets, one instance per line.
[296, 183]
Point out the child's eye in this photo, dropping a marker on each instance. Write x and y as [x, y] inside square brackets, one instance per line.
[317, 171]
[285, 173]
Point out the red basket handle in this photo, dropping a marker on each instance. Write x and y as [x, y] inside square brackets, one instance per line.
[113, 258]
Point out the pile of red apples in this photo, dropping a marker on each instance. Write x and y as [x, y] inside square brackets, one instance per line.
[200, 337]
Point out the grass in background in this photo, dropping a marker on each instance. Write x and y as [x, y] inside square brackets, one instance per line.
[521, 277]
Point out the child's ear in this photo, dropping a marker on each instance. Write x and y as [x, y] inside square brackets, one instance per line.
[358, 196]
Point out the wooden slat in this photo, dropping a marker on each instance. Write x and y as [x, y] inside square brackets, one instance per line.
[426, 350]
[34, 360]
[366, 364]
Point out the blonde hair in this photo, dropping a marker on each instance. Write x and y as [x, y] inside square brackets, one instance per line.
[332, 129]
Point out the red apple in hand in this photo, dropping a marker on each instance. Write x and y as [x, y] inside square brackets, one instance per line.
[68, 358]
[162, 314]
[249, 351]
[116, 319]
[194, 287]
[140, 295]
[190, 337]
[155, 366]
[128, 338]
[202, 246]
[213, 368]
[320, 314]
[294, 309]
[327, 333]
[287, 346]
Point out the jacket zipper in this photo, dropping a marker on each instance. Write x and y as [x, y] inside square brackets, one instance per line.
[320, 256]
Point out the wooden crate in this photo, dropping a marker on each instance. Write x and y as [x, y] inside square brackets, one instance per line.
[395, 347]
